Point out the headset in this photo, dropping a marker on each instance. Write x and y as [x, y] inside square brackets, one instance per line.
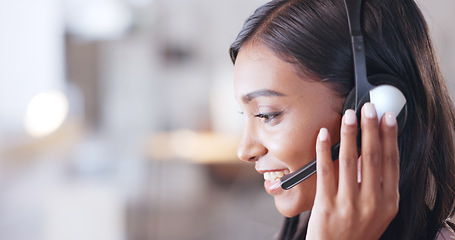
[385, 91]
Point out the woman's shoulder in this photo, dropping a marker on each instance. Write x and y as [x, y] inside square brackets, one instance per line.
[447, 232]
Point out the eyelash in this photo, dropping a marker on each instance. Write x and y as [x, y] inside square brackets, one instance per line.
[268, 117]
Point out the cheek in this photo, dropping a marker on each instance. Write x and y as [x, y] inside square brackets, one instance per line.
[293, 141]
[297, 148]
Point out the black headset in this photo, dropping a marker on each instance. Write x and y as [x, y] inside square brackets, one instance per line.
[385, 91]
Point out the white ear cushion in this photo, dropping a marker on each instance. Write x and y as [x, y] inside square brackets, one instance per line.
[387, 98]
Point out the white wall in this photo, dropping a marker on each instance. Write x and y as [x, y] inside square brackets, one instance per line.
[31, 57]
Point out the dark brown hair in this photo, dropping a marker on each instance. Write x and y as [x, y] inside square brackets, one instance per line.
[314, 36]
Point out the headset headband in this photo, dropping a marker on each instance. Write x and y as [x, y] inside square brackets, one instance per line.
[362, 86]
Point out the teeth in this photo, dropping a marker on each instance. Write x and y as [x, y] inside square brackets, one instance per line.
[273, 175]
[269, 176]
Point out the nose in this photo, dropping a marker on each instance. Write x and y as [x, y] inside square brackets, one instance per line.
[250, 148]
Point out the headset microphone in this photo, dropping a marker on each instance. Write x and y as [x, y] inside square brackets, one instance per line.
[290, 180]
[385, 91]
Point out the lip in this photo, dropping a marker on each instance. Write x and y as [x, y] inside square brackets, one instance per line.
[271, 170]
[272, 187]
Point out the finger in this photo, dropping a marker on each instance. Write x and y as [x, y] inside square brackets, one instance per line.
[371, 150]
[391, 168]
[348, 185]
[325, 171]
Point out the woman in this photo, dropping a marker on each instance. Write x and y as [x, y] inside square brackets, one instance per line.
[293, 72]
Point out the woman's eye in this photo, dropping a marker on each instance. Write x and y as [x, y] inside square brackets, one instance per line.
[268, 117]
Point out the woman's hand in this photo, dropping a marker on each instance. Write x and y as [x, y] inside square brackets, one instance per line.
[343, 207]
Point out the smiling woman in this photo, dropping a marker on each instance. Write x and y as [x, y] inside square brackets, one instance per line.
[293, 72]
[284, 114]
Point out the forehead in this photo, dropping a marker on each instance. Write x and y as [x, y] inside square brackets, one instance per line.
[257, 67]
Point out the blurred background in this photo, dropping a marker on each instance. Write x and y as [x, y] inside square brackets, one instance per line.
[118, 121]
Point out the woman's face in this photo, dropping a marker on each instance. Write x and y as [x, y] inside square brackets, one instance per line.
[283, 114]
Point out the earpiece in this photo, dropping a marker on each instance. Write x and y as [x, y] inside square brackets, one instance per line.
[385, 91]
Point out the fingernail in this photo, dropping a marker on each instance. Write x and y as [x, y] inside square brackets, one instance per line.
[349, 117]
[369, 111]
[323, 134]
[390, 119]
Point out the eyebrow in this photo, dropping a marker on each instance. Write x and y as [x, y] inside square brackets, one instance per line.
[261, 93]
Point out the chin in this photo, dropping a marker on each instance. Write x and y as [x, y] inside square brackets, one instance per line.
[291, 210]
[293, 203]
